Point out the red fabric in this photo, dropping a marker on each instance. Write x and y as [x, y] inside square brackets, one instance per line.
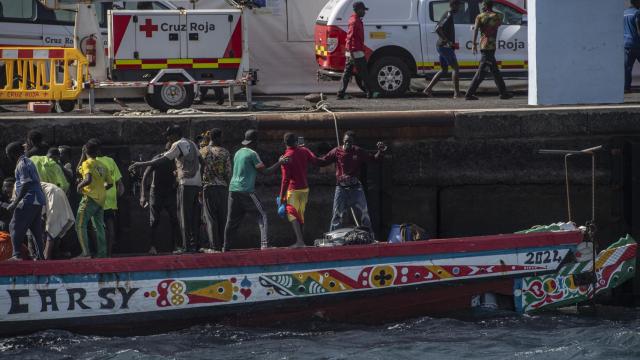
[348, 162]
[355, 34]
[277, 256]
[294, 172]
[293, 212]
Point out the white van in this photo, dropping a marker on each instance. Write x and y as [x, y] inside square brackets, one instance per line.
[401, 43]
[32, 23]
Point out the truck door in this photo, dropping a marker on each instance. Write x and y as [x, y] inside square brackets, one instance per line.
[512, 40]
[208, 34]
[432, 12]
[159, 36]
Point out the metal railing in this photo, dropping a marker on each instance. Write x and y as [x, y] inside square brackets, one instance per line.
[42, 73]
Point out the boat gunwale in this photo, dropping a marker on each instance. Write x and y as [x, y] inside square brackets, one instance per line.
[287, 256]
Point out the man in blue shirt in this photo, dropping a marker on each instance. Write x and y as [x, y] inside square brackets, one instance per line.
[631, 41]
[27, 204]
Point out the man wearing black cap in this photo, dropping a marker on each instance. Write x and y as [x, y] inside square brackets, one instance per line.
[355, 53]
[242, 196]
[186, 156]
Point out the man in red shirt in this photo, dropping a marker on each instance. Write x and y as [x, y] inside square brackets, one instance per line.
[355, 53]
[294, 190]
[349, 160]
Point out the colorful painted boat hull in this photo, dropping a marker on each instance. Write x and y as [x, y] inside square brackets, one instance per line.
[358, 283]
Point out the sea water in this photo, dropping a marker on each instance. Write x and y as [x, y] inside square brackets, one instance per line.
[610, 333]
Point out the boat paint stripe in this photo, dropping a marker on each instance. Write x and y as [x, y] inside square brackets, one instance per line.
[460, 247]
[222, 271]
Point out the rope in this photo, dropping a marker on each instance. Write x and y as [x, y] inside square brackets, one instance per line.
[323, 105]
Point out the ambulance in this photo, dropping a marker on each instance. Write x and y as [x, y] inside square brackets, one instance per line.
[400, 40]
[174, 53]
[152, 49]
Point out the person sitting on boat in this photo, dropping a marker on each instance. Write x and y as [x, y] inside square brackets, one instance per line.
[27, 204]
[96, 180]
[294, 189]
[349, 194]
[242, 195]
[5, 197]
[160, 197]
[186, 156]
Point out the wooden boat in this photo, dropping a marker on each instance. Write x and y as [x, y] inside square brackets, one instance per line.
[364, 283]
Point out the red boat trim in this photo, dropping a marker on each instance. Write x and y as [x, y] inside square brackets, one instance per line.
[289, 256]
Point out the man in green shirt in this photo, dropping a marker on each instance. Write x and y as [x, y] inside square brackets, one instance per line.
[50, 170]
[487, 23]
[242, 196]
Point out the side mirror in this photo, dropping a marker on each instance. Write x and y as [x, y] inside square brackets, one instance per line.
[524, 20]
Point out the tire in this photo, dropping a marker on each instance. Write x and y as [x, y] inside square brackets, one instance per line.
[172, 96]
[64, 106]
[391, 76]
[148, 98]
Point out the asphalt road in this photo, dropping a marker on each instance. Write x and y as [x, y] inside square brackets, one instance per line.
[295, 103]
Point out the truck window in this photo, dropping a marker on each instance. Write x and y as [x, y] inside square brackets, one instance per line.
[144, 5]
[19, 10]
[438, 8]
[510, 16]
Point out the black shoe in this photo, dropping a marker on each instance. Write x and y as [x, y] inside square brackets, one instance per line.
[373, 95]
[471, 97]
[343, 97]
[506, 96]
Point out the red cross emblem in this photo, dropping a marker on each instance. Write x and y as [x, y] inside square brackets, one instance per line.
[148, 27]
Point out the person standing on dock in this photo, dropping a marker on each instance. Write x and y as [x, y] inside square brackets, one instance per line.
[487, 23]
[216, 175]
[27, 204]
[355, 54]
[93, 187]
[294, 189]
[161, 197]
[349, 195]
[631, 41]
[242, 195]
[186, 156]
[446, 48]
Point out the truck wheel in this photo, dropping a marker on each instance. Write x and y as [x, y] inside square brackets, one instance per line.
[172, 96]
[391, 76]
[148, 99]
[64, 106]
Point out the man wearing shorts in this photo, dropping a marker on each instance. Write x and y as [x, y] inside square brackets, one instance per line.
[446, 46]
[294, 190]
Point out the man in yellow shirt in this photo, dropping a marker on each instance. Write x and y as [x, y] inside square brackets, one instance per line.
[96, 180]
[111, 201]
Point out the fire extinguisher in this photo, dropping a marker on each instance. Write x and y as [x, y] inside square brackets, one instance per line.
[91, 50]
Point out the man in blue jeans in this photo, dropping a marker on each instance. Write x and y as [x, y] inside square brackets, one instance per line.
[631, 41]
[27, 204]
[446, 47]
[349, 160]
